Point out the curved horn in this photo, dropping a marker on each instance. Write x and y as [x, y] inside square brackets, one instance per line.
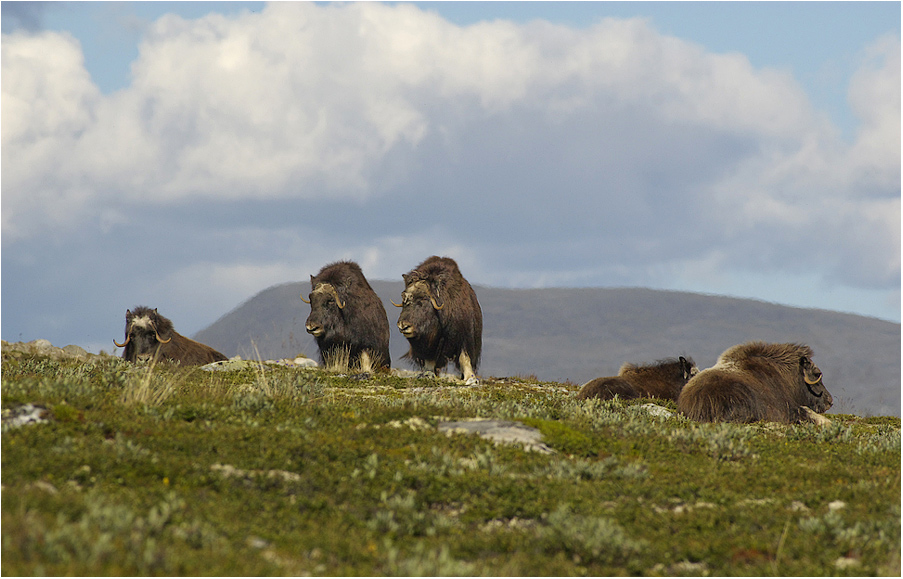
[304, 300]
[338, 300]
[122, 345]
[435, 305]
[812, 382]
[396, 305]
[157, 335]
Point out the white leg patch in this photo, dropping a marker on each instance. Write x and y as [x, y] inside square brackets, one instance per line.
[467, 368]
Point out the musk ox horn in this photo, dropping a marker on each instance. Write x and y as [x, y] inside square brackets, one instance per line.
[122, 345]
[157, 335]
[812, 382]
[304, 300]
[338, 300]
[436, 305]
[396, 305]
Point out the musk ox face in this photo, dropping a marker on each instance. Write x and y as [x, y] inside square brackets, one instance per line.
[145, 332]
[813, 386]
[419, 307]
[325, 319]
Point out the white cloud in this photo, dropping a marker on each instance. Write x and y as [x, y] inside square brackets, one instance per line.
[48, 103]
[534, 154]
[875, 98]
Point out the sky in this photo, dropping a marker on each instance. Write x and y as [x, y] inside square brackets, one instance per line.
[187, 156]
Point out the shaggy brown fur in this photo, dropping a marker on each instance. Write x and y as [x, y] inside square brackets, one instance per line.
[757, 381]
[441, 317]
[664, 379]
[346, 314]
[149, 334]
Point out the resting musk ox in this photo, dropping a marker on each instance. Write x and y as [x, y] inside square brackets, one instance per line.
[757, 381]
[441, 318]
[664, 379]
[148, 334]
[345, 313]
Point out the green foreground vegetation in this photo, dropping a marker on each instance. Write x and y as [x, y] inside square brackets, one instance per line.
[176, 471]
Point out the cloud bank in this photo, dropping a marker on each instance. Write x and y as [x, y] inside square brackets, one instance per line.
[253, 149]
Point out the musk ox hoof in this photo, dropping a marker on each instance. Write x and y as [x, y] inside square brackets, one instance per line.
[472, 381]
[427, 374]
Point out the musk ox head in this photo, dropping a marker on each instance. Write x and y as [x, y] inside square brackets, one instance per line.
[326, 307]
[420, 306]
[346, 316]
[145, 332]
[812, 386]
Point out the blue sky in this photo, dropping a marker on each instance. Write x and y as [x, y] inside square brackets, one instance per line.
[162, 153]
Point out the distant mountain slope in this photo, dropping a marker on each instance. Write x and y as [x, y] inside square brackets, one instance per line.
[577, 334]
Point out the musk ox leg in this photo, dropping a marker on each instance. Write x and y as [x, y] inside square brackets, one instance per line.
[809, 415]
[470, 379]
[366, 362]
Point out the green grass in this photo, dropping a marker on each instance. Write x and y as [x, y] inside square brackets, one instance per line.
[177, 471]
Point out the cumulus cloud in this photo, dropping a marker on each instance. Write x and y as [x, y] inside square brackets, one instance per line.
[536, 154]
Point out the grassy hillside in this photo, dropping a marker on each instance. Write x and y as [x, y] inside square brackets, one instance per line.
[142, 470]
[579, 334]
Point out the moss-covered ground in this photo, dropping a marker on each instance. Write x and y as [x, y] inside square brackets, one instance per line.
[143, 470]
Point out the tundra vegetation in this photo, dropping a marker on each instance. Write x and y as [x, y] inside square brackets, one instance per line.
[165, 469]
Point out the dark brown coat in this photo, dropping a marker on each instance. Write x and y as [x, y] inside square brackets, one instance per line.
[757, 381]
[664, 379]
[149, 334]
[441, 318]
[346, 314]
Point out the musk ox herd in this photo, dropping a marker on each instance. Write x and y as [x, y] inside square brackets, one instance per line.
[441, 318]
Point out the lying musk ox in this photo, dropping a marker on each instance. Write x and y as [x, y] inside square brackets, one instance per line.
[441, 318]
[757, 381]
[664, 379]
[148, 334]
[346, 314]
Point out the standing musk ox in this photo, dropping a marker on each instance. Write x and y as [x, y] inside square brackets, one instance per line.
[757, 381]
[149, 335]
[664, 379]
[441, 318]
[346, 314]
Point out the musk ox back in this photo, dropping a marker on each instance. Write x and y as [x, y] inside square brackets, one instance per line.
[149, 334]
[664, 379]
[347, 316]
[757, 381]
[441, 318]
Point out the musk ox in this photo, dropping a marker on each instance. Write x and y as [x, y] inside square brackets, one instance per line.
[347, 315]
[441, 318]
[149, 335]
[757, 381]
[664, 379]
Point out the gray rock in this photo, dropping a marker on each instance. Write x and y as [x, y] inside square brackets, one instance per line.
[22, 415]
[76, 352]
[656, 410]
[500, 432]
